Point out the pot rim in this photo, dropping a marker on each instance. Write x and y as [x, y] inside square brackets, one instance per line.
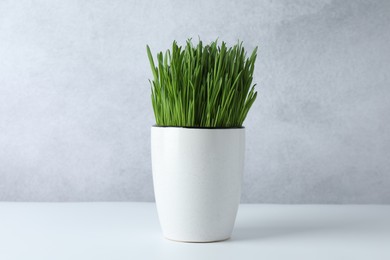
[198, 128]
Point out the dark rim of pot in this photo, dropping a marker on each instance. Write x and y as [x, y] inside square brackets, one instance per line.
[194, 127]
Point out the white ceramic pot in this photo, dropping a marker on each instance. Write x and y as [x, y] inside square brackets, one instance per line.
[197, 174]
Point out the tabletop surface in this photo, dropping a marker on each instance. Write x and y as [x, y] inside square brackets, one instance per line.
[128, 230]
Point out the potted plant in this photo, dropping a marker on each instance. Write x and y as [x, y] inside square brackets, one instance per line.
[201, 96]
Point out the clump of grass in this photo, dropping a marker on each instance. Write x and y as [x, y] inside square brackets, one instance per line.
[202, 85]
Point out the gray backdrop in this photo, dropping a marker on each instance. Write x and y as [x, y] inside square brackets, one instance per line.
[75, 113]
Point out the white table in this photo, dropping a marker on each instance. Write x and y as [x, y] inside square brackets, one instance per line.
[112, 231]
